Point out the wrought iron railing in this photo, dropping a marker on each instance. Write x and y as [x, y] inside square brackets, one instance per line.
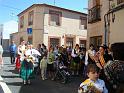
[120, 1]
[94, 14]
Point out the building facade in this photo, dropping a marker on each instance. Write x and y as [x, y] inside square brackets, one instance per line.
[51, 25]
[117, 21]
[105, 21]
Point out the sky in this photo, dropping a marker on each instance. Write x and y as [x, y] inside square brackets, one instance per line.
[9, 9]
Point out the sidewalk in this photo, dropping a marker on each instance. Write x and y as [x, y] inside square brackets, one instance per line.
[3, 87]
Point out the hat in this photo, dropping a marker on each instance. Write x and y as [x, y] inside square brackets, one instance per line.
[103, 46]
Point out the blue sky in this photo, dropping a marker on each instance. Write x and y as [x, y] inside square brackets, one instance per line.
[10, 8]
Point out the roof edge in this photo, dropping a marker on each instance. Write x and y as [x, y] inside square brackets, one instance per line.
[47, 5]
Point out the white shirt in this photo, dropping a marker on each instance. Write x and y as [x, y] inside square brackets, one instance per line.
[92, 53]
[99, 84]
[73, 53]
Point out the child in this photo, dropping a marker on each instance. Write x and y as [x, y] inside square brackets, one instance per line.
[43, 67]
[93, 84]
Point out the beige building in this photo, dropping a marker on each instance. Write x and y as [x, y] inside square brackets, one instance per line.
[117, 21]
[51, 25]
[105, 22]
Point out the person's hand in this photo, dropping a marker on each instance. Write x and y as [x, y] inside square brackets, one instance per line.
[95, 90]
[96, 57]
[80, 90]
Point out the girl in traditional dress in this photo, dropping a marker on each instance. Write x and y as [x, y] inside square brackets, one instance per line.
[18, 58]
[27, 66]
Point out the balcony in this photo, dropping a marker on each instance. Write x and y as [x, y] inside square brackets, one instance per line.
[94, 14]
[120, 2]
[30, 23]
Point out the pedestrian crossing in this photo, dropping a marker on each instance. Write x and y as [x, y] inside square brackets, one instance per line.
[3, 87]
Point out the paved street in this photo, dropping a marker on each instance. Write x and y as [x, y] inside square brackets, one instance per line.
[11, 77]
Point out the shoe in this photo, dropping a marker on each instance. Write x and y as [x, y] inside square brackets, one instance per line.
[43, 78]
[63, 82]
[52, 79]
[72, 73]
[77, 73]
[29, 82]
[24, 82]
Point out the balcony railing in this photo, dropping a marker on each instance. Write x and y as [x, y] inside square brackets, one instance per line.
[120, 1]
[94, 14]
[30, 23]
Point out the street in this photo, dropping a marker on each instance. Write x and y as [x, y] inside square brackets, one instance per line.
[14, 82]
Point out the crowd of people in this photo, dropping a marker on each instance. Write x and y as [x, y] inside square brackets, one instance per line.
[73, 59]
[89, 64]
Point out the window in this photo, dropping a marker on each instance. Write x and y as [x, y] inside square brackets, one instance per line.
[120, 1]
[30, 39]
[30, 18]
[69, 42]
[83, 43]
[83, 23]
[54, 42]
[96, 41]
[55, 18]
[94, 14]
[21, 22]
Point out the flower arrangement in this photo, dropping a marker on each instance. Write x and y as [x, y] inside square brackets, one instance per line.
[88, 88]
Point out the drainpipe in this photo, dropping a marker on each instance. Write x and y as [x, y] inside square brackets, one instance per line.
[105, 25]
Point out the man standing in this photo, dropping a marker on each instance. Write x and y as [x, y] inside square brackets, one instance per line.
[12, 50]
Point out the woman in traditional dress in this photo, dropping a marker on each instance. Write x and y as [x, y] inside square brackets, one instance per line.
[27, 66]
[76, 58]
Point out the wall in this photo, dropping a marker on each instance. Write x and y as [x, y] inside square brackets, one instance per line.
[97, 28]
[116, 28]
[69, 26]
